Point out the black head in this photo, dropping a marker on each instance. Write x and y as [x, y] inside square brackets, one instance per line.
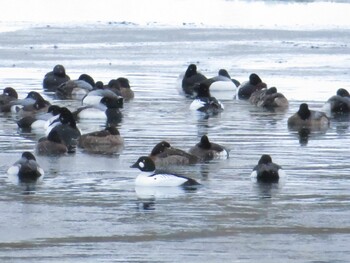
[28, 156]
[59, 70]
[343, 93]
[99, 85]
[191, 70]
[11, 92]
[145, 164]
[224, 73]
[66, 117]
[204, 143]
[112, 103]
[113, 83]
[34, 95]
[265, 159]
[254, 79]
[271, 91]
[304, 111]
[87, 78]
[123, 82]
[160, 147]
[54, 109]
[112, 130]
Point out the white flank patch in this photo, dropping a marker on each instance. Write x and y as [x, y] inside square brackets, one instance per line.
[38, 124]
[326, 108]
[92, 100]
[254, 176]
[41, 171]
[50, 121]
[92, 114]
[222, 155]
[159, 180]
[196, 104]
[13, 170]
[228, 86]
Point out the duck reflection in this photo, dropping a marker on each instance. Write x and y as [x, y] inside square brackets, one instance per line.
[266, 190]
[147, 196]
[304, 135]
[341, 122]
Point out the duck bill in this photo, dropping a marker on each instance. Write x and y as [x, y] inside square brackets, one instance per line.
[135, 165]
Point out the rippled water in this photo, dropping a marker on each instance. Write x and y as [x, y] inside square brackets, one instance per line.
[87, 208]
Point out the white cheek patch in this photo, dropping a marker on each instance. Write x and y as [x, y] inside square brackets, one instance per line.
[141, 164]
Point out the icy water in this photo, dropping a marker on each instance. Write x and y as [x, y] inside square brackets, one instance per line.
[87, 208]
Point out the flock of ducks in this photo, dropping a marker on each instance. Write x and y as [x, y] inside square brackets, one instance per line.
[105, 101]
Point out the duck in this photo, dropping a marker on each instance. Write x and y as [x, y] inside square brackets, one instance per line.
[190, 78]
[246, 89]
[206, 150]
[121, 87]
[163, 154]
[8, 95]
[149, 177]
[108, 109]
[306, 118]
[75, 89]
[338, 104]
[26, 169]
[94, 96]
[51, 145]
[266, 171]
[219, 85]
[223, 72]
[53, 79]
[204, 102]
[40, 121]
[33, 103]
[15, 106]
[268, 98]
[66, 128]
[106, 141]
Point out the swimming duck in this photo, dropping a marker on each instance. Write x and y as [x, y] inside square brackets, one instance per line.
[163, 154]
[268, 98]
[149, 176]
[247, 88]
[191, 78]
[31, 104]
[39, 121]
[108, 109]
[75, 89]
[306, 118]
[8, 94]
[224, 73]
[94, 96]
[220, 85]
[206, 150]
[66, 129]
[204, 102]
[26, 169]
[338, 104]
[266, 171]
[106, 141]
[121, 87]
[51, 145]
[55, 78]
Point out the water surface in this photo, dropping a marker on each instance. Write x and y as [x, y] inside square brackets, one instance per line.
[87, 208]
